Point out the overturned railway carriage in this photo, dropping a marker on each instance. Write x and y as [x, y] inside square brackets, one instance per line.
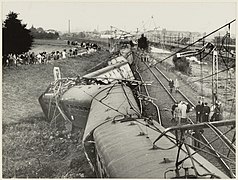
[119, 143]
[118, 140]
[65, 99]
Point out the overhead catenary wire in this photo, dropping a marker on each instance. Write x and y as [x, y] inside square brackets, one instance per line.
[211, 50]
[108, 92]
[222, 46]
[104, 103]
[215, 73]
[116, 110]
[129, 102]
[200, 39]
[194, 42]
[205, 76]
[199, 149]
[110, 106]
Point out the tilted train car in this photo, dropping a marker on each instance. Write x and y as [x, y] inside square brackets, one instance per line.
[65, 101]
[118, 140]
[119, 143]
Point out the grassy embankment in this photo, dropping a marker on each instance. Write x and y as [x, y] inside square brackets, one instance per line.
[30, 147]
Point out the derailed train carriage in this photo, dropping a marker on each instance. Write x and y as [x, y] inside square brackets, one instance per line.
[118, 140]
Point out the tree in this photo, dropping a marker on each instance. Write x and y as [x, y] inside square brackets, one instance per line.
[16, 38]
[182, 64]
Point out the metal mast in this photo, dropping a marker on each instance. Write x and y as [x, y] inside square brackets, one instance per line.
[214, 79]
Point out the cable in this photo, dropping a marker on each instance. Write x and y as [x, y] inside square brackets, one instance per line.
[222, 46]
[197, 53]
[194, 42]
[129, 102]
[214, 73]
[205, 76]
[104, 104]
[109, 91]
[200, 39]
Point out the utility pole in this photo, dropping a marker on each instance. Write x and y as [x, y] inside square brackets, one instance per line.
[214, 79]
[201, 63]
[227, 40]
[69, 26]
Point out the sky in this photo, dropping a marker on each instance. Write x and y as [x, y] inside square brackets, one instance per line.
[128, 15]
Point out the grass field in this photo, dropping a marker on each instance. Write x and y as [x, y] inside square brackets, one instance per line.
[40, 45]
[31, 148]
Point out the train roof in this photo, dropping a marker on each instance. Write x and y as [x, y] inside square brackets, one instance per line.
[127, 154]
[105, 69]
[113, 105]
[124, 150]
[83, 93]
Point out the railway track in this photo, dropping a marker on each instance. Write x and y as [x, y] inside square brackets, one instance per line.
[209, 136]
[149, 105]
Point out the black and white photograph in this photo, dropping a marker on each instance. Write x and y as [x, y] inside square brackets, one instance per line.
[119, 89]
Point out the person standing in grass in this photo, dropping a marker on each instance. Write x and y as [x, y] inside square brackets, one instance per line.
[64, 54]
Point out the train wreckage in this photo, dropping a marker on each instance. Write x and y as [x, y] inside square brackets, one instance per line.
[119, 141]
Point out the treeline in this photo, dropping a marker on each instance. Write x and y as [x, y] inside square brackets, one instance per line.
[40, 33]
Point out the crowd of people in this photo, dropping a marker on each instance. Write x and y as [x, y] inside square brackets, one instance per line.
[45, 57]
[204, 113]
[179, 111]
